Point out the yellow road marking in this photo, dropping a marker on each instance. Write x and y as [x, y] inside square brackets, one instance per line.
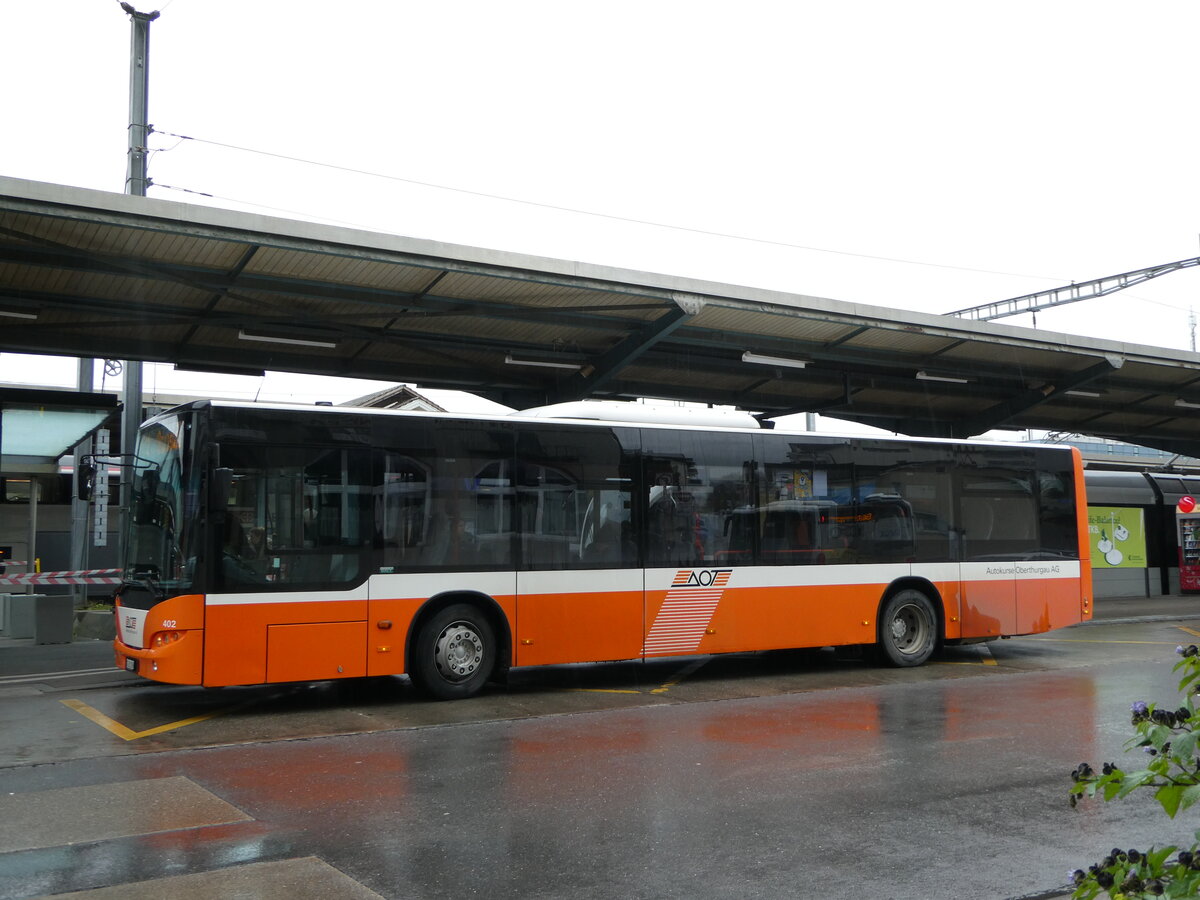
[683, 673]
[128, 734]
[661, 689]
[985, 659]
[1190, 631]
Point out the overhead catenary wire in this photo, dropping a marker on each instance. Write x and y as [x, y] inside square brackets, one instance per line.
[180, 138]
[576, 211]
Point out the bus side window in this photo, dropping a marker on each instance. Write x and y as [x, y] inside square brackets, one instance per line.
[695, 485]
[999, 513]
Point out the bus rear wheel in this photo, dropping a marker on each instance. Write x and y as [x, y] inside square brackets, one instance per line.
[907, 628]
[454, 654]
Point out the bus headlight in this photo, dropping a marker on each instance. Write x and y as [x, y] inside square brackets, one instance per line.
[164, 638]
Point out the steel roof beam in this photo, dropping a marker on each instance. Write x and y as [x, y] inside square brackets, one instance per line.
[608, 365]
[1000, 414]
[217, 296]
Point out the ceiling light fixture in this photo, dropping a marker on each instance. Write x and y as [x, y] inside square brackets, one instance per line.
[11, 313]
[542, 363]
[762, 360]
[1187, 404]
[219, 370]
[1092, 394]
[244, 335]
[948, 379]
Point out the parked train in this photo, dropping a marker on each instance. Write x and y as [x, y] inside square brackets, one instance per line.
[1157, 496]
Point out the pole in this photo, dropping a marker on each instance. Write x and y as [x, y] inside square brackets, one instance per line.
[31, 550]
[136, 183]
[136, 180]
[85, 382]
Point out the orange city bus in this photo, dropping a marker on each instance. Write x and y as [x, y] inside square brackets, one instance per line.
[275, 544]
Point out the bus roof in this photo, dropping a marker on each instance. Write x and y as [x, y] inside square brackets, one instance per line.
[633, 420]
[640, 413]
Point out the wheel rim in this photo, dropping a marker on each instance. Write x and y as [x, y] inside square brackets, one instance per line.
[910, 629]
[458, 652]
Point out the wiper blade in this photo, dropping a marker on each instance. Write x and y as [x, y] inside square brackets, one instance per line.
[144, 576]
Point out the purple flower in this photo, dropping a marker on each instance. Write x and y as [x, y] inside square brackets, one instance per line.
[1139, 708]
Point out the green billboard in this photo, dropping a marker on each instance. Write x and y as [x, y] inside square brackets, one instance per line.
[1117, 535]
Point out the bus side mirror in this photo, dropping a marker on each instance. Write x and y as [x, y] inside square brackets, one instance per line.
[85, 481]
[219, 486]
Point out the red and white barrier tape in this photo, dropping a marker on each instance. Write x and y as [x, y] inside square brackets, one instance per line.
[82, 576]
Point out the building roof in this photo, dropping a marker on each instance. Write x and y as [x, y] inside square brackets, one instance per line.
[399, 396]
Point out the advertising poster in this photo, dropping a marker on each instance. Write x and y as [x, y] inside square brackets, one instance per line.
[800, 484]
[1118, 537]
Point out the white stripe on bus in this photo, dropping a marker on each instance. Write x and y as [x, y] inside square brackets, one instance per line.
[598, 581]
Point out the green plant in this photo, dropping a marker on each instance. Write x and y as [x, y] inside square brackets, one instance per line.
[1169, 739]
[98, 606]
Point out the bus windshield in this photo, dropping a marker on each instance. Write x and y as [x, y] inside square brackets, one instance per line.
[159, 536]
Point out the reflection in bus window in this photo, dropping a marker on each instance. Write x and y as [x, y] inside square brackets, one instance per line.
[575, 499]
[803, 514]
[800, 532]
[309, 508]
[161, 537]
[697, 487]
[912, 491]
[886, 531]
[448, 498]
[999, 514]
[406, 506]
[1056, 512]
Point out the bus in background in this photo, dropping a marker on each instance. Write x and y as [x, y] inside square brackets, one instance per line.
[275, 544]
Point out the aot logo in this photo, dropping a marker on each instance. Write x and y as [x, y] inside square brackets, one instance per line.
[702, 578]
[686, 612]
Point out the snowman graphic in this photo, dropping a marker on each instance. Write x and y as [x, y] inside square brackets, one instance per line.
[1105, 545]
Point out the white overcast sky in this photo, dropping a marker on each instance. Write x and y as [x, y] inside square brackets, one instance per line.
[916, 155]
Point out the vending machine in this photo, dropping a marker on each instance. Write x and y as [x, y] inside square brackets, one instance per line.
[1188, 519]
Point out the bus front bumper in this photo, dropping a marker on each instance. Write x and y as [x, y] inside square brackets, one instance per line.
[179, 662]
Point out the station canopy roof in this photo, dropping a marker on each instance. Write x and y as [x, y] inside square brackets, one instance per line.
[37, 427]
[89, 273]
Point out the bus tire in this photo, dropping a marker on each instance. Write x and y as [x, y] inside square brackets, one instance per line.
[907, 628]
[454, 654]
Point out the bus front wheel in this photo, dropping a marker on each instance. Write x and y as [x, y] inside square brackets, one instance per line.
[907, 629]
[454, 654]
